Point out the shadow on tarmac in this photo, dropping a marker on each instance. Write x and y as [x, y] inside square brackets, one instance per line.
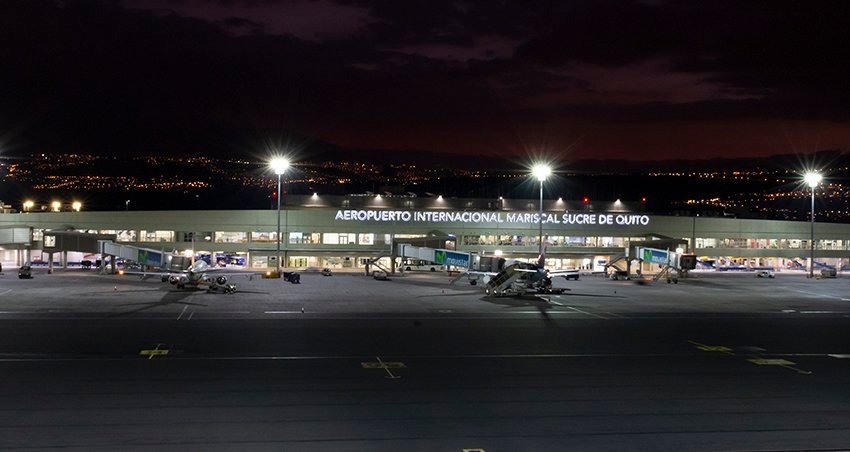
[170, 297]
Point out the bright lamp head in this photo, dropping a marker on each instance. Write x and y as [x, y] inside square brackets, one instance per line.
[279, 165]
[812, 179]
[541, 171]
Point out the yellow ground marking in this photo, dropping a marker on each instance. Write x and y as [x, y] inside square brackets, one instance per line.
[771, 362]
[779, 362]
[712, 348]
[154, 352]
[474, 450]
[386, 365]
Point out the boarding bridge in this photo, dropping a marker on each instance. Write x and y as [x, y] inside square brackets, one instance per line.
[439, 256]
[144, 256]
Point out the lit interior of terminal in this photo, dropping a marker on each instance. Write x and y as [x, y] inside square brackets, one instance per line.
[349, 231]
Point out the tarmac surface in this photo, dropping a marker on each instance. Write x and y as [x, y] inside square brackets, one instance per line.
[716, 362]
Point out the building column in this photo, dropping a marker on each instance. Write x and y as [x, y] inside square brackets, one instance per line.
[112, 264]
[49, 263]
[63, 259]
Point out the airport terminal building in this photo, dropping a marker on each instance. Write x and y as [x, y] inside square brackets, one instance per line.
[349, 231]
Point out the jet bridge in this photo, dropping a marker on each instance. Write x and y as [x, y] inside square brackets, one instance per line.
[144, 256]
[439, 256]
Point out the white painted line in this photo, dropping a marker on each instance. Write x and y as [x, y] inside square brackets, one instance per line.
[824, 312]
[5, 291]
[839, 355]
[190, 315]
[588, 313]
[822, 295]
[183, 311]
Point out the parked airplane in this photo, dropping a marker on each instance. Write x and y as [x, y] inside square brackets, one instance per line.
[199, 274]
[518, 278]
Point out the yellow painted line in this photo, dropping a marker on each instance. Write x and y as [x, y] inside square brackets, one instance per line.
[712, 348]
[779, 362]
[771, 362]
[474, 450]
[384, 365]
[154, 352]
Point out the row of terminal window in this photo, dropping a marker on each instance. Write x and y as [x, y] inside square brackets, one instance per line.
[367, 239]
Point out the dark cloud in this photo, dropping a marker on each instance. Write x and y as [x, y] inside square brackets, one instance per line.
[595, 77]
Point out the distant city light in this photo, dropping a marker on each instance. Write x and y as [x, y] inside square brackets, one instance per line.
[56, 205]
[28, 205]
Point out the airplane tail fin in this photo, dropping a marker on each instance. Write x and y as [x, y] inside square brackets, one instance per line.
[541, 260]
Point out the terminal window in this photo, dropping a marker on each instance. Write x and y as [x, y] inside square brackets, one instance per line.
[157, 236]
[264, 236]
[231, 237]
[296, 238]
[335, 238]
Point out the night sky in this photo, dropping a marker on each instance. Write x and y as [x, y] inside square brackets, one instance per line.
[597, 79]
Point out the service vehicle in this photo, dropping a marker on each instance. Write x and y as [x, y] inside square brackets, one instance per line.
[25, 272]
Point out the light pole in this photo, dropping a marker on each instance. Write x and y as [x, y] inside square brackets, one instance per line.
[812, 179]
[541, 172]
[279, 166]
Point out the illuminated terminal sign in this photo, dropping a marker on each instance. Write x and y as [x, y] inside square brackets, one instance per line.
[417, 216]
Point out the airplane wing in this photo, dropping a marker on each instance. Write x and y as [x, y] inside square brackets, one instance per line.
[564, 273]
[146, 275]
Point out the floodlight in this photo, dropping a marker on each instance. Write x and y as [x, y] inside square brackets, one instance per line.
[541, 171]
[279, 165]
[812, 179]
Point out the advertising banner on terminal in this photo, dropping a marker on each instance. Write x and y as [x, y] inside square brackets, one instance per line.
[655, 256]
[446, 257]
[524, 218]
[150, 258]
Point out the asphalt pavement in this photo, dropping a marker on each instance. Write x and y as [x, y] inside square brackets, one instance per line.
[92, 362]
